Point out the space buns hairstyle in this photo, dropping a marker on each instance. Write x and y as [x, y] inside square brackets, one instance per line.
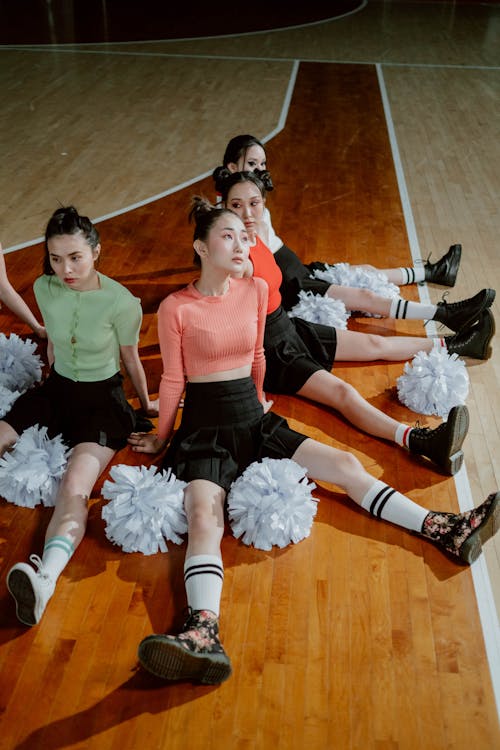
[226, 180]
[67, 220]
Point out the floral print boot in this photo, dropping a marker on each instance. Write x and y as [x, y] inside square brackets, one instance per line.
[195, 654]
[462, 535]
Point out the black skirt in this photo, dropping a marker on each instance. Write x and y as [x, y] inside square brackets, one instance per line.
[223, 430]
[82, 412]
[295, 349]
[297, 277]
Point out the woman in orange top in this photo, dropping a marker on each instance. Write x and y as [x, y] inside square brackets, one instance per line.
[300, 355]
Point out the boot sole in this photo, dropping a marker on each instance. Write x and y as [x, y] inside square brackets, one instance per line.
[471, 548]
[487, 349]
[21, 589]
[453, 463]
[168, 660]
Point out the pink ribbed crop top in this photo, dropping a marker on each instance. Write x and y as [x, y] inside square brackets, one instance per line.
[201, 335]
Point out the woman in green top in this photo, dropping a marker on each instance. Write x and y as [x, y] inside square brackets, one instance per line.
[92, 323]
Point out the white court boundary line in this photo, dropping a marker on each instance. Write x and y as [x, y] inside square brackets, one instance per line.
[480, 576]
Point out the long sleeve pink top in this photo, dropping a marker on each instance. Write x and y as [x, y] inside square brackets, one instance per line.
[201, 335]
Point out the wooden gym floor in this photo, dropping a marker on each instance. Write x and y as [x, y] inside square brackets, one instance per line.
[382, 137]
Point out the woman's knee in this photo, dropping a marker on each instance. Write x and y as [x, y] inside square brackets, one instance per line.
[349, 464]
[345, 394]
[204, 510]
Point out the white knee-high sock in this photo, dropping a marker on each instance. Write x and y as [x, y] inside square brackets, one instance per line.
[403, 308]
[384, 502]
[412, 275]
[56, 555]
[203, 578]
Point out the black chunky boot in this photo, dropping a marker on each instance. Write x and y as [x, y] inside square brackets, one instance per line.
[443, 445]
[473, 341]
[445, 270]
[195, 654]
[457, 315]
[462, 535]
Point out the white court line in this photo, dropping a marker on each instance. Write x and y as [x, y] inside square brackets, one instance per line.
[480, 576]
[361, 6]
[105, 50]
[279, 127]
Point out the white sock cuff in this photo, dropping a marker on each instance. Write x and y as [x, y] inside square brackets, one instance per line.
[203, 564]
[402, 434]
[203, 579]
[398, 308]
[60, 542]
[388, 504]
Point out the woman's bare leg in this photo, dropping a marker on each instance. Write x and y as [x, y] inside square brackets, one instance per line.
[32, 589]
[326, 388]
[353, 346]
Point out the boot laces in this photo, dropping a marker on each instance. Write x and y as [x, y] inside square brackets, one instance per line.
[38, 564]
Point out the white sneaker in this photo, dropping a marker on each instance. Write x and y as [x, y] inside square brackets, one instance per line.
[31, 589]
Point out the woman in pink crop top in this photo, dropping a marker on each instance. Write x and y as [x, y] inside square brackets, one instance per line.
[300, 354]
[92, 322]
[218, 356]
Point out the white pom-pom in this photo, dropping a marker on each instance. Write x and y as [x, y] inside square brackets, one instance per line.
[343, 274]
[31, 471]
[7, 398]
[317, 308]
[271, 504]
[146, 508]
[20, 367]
[433, 382]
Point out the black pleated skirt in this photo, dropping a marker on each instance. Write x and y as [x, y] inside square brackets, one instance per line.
[295, 349]
[297, 277]
[82, 412]
[223, 430]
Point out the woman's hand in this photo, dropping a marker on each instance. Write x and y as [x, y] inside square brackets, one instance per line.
[40, 332]
[152, 408]
[266, 405]
[145, 442]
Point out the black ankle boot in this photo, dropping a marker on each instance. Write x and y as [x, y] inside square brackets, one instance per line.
[443, 445]
[457, 315]
[473, 341]
[445, 270]
[195, 654]
[462, 535]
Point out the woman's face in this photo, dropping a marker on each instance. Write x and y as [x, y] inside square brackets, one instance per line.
[246, 200]
[72, 260]
[227, 246]
[253, 158]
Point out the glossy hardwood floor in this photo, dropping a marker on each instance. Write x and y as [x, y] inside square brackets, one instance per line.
[361, 635]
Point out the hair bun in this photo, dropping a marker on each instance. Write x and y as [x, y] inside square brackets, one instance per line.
[221, 175]
[265, 176]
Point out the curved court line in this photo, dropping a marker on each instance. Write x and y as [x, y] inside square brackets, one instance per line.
[363, 4]
[480, 576]
[279, 127]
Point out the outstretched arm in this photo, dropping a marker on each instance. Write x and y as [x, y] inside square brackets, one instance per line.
[135, 370]
[15, 302]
